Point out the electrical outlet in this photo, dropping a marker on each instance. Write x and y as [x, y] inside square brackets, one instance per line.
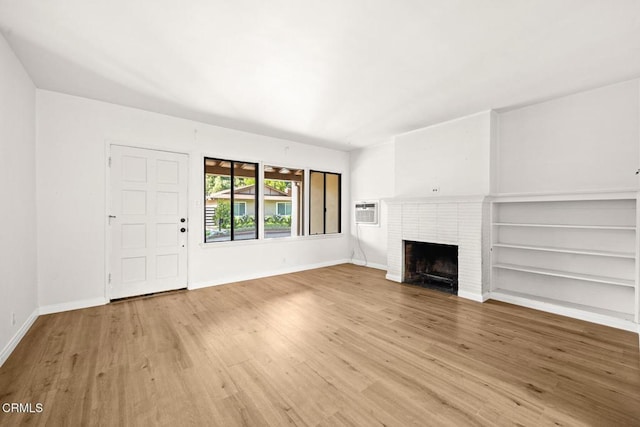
[13, 319]
[435, 189]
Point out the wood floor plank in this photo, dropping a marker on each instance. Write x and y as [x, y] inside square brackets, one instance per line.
[337, 346]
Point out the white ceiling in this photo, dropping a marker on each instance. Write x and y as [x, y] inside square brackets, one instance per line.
[338, 73]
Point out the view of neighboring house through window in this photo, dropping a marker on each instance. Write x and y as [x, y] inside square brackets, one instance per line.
[324, 202]
[239, 208]
[283, 206]
[230, 183]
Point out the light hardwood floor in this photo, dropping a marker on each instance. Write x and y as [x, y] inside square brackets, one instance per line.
[334, 346]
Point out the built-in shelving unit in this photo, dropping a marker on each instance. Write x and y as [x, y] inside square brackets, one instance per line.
[575, 255]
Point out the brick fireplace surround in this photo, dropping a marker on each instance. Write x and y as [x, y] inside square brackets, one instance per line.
[461, 221]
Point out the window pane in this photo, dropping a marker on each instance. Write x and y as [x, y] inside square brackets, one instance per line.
[332, 211]
[324, 203]
[245, 196]
[316, 203]
[217, 201]
[230, 200]
[282, 201]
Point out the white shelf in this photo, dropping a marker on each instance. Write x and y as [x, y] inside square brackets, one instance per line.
[602, 316]
[567, 275]
[629, 255]
[585, 227]
[579, 196]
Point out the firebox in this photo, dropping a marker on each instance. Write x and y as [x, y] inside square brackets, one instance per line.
[431, 265]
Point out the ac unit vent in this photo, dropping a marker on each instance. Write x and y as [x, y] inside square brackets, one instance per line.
[366, 213]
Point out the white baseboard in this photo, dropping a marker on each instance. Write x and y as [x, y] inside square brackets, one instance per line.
[20, 333]
[473, 296]
[375, 265]
[73, 305]
[252, 276]
[393, 277]
[567, 311]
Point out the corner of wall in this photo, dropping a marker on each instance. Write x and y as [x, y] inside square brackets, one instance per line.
[17, 337]
[17, 189]
[493, 153]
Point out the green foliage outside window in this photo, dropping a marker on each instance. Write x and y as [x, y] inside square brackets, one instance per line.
[283, 186]
[216, 183]
[222, 215]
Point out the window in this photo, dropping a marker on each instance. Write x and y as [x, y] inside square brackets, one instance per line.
[230, 183]
[324, 203]
[283, 206]
[239, 209]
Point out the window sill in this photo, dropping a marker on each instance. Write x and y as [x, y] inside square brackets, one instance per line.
[258, 242]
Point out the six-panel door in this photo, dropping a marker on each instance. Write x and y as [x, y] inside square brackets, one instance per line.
[148, 223]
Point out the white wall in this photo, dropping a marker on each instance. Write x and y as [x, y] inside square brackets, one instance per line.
[18, 197]
[372, 178]
[585, 141]
[453, 156]
[72, 134]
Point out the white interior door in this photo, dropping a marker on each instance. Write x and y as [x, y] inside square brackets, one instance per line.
[147, 221]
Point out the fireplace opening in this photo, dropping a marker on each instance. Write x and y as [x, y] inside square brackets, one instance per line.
[431, 265]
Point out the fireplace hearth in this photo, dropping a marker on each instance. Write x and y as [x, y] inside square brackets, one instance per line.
[431, 265]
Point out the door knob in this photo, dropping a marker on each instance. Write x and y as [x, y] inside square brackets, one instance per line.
[182, 219]
[182, 230]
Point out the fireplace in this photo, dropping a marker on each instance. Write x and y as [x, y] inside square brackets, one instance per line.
[460, 221]
[431, 265]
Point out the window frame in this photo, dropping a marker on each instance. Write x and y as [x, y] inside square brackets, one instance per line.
[257, 198]
[299, 184]
[324, 201]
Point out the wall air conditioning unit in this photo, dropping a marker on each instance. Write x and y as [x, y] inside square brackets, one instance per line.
[367, 213]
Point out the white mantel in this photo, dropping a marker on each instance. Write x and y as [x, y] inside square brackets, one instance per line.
[453, 220]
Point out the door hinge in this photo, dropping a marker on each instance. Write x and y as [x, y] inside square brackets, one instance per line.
[109, 161]
[109, 279]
